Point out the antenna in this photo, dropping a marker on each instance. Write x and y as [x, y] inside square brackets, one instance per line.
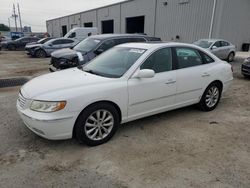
[19, 14]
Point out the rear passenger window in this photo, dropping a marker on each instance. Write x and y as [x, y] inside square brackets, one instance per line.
[188, 57]
[207, 58]
[160, 61]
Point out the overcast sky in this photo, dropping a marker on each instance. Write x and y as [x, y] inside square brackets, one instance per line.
[34, 13]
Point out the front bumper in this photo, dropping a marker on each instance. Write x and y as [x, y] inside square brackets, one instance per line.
[47, 125]
[245, 70]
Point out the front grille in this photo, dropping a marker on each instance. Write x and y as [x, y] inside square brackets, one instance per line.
[245, 69]
[21, 100]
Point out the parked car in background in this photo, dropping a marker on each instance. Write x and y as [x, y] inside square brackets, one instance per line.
[45, 49]
[41, 41]
[92, 47]
[81, 33]
[245, 68]
[5, 39]
[18, 44]
[221, 48]
[128, 82]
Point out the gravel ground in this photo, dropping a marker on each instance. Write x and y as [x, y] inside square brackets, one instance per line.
[178, 149]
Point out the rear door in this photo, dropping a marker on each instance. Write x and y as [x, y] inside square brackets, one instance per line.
[194, 73]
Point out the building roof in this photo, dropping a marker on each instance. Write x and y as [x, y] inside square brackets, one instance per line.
[122, 1]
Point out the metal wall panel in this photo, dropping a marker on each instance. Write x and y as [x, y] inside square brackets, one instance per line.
[109, 13]
[64, 21]
[232, 21]
[139, 8]
[189, 20]
[75, 21]
[90, 16]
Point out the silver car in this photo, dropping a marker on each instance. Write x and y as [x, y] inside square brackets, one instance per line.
[44, 50]
[221, 48]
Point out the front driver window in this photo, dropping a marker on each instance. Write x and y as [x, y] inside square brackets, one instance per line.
[217, 44]
[160, 61]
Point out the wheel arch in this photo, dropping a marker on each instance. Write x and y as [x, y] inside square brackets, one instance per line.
[217, 81]
[94, 103]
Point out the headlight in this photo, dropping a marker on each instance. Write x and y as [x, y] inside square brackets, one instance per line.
[44, 106]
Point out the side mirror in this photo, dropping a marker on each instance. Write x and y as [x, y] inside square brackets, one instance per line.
[214, 47]
[145, 73]
[99, 51]
[50, 45]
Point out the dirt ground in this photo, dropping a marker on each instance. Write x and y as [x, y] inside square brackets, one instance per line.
[178, 149]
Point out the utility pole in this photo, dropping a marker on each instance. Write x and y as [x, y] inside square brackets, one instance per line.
[19, 14]
[15, 16]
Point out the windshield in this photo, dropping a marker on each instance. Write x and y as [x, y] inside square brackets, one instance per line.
[87, 45]
[203, 43]
[115, 62]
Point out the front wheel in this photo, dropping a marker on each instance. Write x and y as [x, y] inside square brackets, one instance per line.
[40, 54]
[97, 124]
[230, 57]
[211, 97]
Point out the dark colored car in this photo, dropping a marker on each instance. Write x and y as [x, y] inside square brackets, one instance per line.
[245, 68]
[90, 48]
[18, 43]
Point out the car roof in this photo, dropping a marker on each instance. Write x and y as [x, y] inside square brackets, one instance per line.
[213, 40]
[150, 45]
[62, 38]
[108, 36]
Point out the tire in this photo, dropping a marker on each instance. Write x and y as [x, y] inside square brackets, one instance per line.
[230, 57]
[212, 94]
[40, 53]
[90, 130]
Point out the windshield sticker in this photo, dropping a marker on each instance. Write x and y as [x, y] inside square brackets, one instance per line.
[139, 51]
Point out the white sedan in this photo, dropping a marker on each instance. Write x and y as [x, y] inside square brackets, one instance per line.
[128, 82]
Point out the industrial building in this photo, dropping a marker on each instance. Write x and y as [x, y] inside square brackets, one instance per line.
[171, 20]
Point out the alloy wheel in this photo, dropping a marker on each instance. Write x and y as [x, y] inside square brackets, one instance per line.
[212, 96]
[99, 125]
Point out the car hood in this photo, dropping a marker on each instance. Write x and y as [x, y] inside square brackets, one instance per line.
[64, 53]
[58, 81]
[33, 45]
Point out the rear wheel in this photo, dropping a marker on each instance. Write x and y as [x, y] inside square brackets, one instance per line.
[230, 57]
[97, 124]
[211, 97]
[40, 53]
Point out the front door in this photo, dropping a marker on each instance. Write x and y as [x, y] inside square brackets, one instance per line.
[151, 95]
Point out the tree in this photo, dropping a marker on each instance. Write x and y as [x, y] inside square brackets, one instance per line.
[4, 27]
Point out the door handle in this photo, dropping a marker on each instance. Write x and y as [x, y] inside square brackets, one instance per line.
[205, 75]
[170, 81]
